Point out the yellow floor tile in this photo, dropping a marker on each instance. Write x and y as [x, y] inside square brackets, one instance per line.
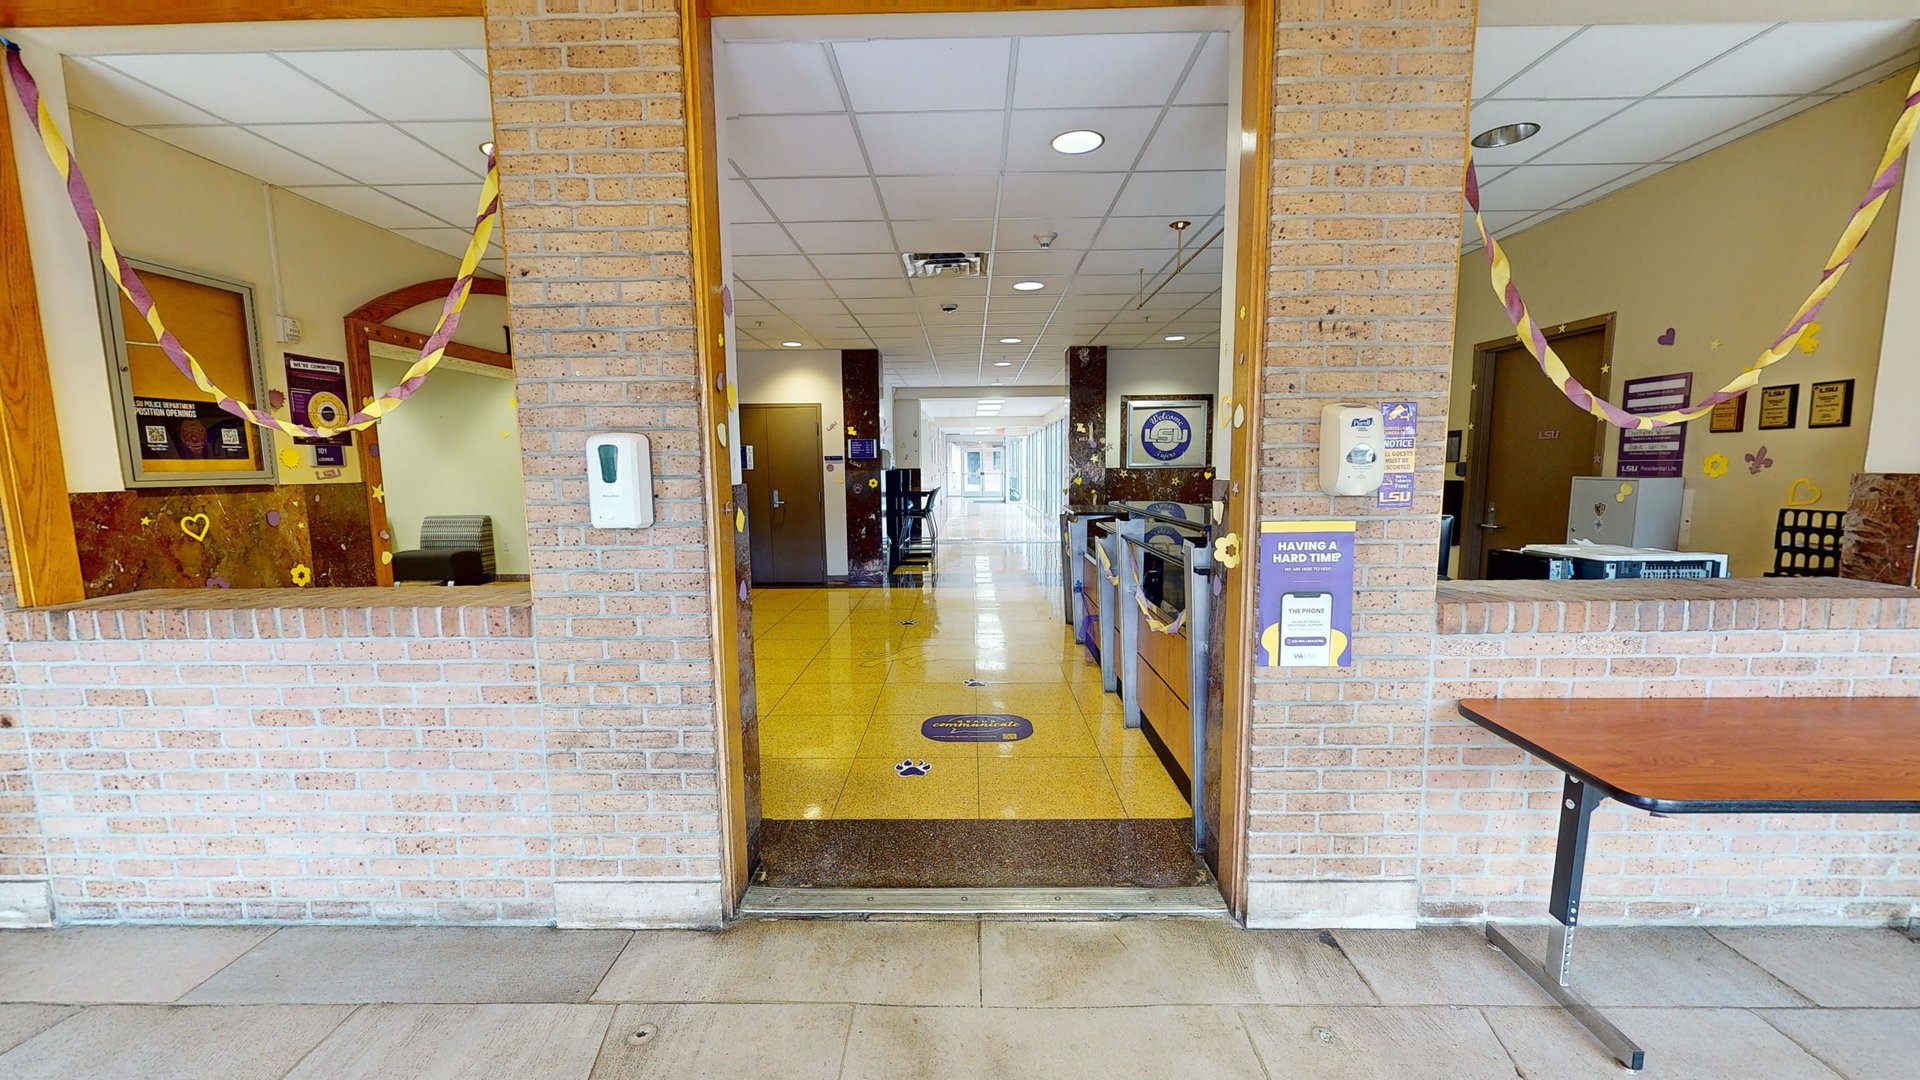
[927, 699]
[777, 671]
[929, 672]
[1054, 735]
[790, 736]
[768, 692]
[1115, 739]
[1146, 791]
[795, 789]
[841, 669]
[1026, 788]
[827, 699]
[1044, 672]
[897, 735]
[951, 789]
[1023, 698]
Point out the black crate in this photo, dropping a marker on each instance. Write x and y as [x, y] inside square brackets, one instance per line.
[1806, 543]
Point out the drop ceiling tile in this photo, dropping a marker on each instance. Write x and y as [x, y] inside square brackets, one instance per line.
[758, 239]
[126, 101]
[810, 308]
[1764, 120]
[761, 146]
[922, 144]
[847, 237]
[1070, 233]
[739, 204]
[970, 234]
[1559, 120]
[1191, 195]
[939, 197]
[759, 268]
[457, 139]
[1100, 69]
[794, 289]
[1191, 137]
[1207, 83]
[777, 77]
[907, 320]
[883, 305]
[370, 153]
[1051, 266]
[821, 200]
[1030, 139]
[906, 75]
[1128, 261]
[1800, 58]
[848, 268]
[401, 84]
[370, 206]
[895, 288]
[1071, 194]
[1542, 187]
[248, 153]
[1603, 190]
[451, 241]
[455, 204]
[1150, 233]
[1657, 128]
[245, 88]
[1871, 75]
[934, 289]
[1501, 52]
[1627, 61]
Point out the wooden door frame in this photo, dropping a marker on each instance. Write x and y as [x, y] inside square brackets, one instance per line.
[819, 449]
[1473, 538]
[1258, 28]
[367, 324]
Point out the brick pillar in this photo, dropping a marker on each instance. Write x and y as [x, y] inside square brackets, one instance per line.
[1369, 144]
[588, 109]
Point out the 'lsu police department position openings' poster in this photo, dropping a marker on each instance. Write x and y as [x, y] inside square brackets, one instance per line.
[1306, 593]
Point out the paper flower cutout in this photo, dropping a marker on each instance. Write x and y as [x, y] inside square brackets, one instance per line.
[302, 575]
[1226, 550]
[1715, 465]
[1810, 339]
[290, 457]
[1625, 492]
[276, 399]
[218, 582]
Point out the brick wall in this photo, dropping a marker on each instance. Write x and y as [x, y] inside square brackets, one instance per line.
[1369, 151]
[1491, 811]
[372, 764]
[589, 115]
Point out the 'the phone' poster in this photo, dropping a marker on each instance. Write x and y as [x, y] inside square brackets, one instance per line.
[1306, 593]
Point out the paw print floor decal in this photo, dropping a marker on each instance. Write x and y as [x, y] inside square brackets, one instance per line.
[910, 767]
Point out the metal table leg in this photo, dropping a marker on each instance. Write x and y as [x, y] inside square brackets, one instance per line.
[1569, 866]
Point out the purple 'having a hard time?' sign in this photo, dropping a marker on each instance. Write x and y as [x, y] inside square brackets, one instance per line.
[1656, 451]
[976, 727]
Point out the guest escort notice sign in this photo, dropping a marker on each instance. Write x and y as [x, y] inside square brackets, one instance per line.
[1306, 594]
[1655, 451]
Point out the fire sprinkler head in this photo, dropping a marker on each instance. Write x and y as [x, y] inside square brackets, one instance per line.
[1046, 239]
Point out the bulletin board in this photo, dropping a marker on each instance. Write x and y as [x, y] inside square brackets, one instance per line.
[171, 432]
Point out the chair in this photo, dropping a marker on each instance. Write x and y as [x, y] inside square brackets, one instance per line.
[455, 548]
[917, 511]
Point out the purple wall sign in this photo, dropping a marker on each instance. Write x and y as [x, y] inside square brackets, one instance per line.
[317, 396]
[1306, 594]
[1658, 451]
[1402, 429]
[976, 727]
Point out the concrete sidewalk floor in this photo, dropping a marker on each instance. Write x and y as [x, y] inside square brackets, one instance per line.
[901, 999]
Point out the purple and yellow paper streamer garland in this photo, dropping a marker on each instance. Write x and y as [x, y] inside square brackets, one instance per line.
[1535, 341]
[136, 292]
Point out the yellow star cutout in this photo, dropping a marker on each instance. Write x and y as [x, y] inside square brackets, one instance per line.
[1604, 368]
[1714, 344]
[146, 521]
[379, 493]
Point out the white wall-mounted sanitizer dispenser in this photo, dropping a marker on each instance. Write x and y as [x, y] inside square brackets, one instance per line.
[1352, 449]
[620, 481]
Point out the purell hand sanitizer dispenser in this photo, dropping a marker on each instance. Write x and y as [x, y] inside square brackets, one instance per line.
[1352, 445]
[620, 481]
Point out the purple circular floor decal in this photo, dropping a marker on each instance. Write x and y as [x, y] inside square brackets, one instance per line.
[976, 727]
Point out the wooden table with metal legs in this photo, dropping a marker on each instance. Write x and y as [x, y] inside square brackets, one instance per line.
[1697, 756]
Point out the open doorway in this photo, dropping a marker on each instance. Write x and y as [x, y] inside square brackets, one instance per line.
[975, 235]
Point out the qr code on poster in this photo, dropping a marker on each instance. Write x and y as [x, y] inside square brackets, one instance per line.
[156, 434]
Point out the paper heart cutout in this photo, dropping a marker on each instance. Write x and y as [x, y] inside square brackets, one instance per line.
[187, 526]
[1802, 493]
[1668, 337]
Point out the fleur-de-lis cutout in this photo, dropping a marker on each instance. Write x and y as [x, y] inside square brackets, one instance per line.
[1758, 460]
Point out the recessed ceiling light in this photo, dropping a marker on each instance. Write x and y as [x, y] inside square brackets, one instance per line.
[487, 147]
[1029, 286]
[1078, 142]
[791, 344]
[1009, 341]
[1003, 363]
[1506, 135]
[1176, 337]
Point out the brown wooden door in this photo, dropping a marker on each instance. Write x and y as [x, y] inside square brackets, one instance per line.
[786, 494]
[1528, 442]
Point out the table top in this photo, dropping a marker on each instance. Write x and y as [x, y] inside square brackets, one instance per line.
[1719, 755]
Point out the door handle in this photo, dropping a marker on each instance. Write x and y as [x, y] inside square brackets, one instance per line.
[1491, 525]
[777, 504]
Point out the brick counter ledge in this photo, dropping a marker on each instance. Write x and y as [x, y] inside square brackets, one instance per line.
[1557, 607]
[275, 755]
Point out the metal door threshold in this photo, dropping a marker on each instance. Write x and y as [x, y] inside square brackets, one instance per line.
[1030, 903]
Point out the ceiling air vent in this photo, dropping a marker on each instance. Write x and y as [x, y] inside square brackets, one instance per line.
[954, 263]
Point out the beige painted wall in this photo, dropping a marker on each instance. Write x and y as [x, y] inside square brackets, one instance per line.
[1723, 247]
[1158, 371]
[454, 448]
[800, 377]
[168, 206]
